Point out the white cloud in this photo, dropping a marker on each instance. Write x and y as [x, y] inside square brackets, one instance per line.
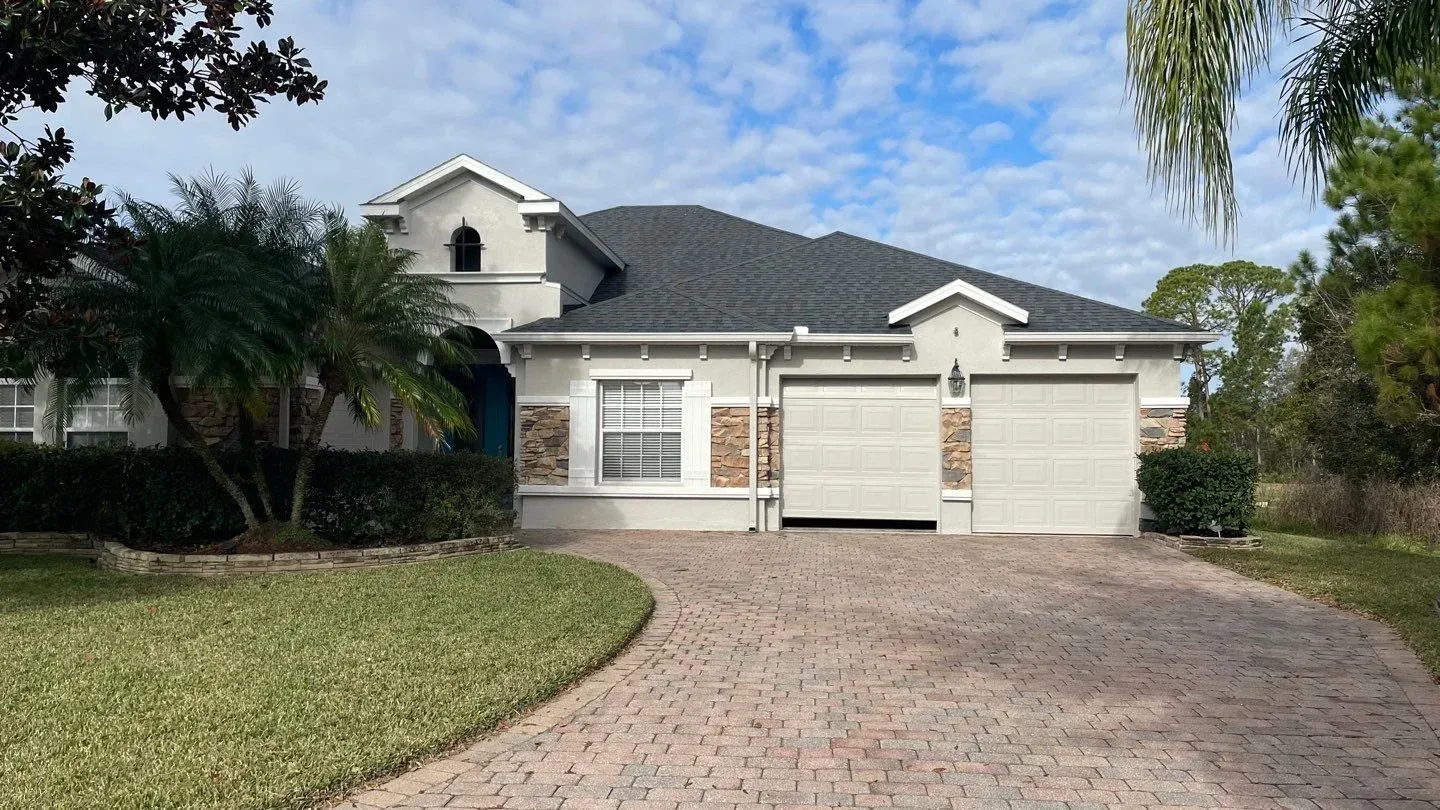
[1014, 153]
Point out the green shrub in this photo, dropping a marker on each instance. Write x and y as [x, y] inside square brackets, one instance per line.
[163, 498]
[1190, 490]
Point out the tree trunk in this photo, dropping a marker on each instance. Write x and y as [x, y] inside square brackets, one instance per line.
[252, 459]
[171, 406]
[308, 446]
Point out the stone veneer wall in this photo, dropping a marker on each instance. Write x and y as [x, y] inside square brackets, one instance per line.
[955, 448]
[730, 447]
[1161, 428]
[545, 444]
[221, 425]
[397, 424]
[304, 402]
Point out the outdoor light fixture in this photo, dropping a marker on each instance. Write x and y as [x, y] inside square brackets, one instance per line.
[957, 380]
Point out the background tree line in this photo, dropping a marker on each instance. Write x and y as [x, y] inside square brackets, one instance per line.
[1333, 365]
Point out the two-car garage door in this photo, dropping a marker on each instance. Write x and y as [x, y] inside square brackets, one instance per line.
[1050, 454]
[1054, 455]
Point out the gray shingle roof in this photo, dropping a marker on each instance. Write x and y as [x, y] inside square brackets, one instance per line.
[835, 284]
[665, 243]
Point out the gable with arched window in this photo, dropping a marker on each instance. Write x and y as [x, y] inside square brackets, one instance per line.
[465, 249]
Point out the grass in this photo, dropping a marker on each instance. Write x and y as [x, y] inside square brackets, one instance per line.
[130, 691]
[1392, 580]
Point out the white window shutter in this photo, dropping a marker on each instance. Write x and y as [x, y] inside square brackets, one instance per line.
[584, 432]
[695, 450]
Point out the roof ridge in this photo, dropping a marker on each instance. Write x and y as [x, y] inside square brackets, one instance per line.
[992, 274]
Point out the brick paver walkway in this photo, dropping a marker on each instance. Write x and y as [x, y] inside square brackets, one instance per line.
[922, 671]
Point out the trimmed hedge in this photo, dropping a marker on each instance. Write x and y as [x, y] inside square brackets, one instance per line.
[163, 498]
[1189, 490]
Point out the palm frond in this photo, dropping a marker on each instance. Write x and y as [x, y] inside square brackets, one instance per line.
[1188, 62]
[1357, 52]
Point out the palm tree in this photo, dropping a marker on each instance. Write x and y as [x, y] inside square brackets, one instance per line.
[1189, 60]
[185, 300]
[378, 325]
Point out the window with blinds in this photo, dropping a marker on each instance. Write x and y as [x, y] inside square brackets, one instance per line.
[640, 431]
[100, 421]
[17, 414]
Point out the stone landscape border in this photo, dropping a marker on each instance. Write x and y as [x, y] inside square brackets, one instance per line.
[114, 556]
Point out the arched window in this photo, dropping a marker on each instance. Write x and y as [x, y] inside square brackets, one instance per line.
[465, 250]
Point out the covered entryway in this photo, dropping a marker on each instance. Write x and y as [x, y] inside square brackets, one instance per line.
[1054, 455]
[860, 449]
[489, 393]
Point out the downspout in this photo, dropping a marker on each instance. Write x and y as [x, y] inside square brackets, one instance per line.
[754, 438]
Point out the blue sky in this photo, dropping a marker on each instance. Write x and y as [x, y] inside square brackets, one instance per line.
[991, 133]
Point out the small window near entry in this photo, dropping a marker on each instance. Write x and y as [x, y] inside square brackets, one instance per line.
[99, 422]
[640, 431]
[465, 247]
[17, 414]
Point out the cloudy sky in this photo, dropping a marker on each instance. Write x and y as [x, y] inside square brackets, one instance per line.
[991, 132]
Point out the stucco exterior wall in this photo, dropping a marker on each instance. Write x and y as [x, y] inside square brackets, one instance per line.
[432, 218]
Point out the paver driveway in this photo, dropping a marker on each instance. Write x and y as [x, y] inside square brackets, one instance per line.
[924, 671]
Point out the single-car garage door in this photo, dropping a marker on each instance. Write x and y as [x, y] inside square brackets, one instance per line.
[860, 449]
[1054, 455]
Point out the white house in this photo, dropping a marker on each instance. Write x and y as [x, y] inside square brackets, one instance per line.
[677, 367]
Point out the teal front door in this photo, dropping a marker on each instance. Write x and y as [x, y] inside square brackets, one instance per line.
[490, 397]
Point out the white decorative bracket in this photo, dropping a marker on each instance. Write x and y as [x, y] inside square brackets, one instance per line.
[1005, 352]
[644, 351]
[787, 352]
[584, 351]
[1179, 351]
[1064, 352]
[846, 355]
[527, 350]
[905, 354]
[1119, 351]
[704, 352]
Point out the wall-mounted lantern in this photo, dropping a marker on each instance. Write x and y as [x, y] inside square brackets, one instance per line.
[957, 380]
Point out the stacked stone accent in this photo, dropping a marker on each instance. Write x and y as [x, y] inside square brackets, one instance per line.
[730, 447]
[119, 557]
[221, 425]
[397, 424]
[304, 403]
[955, 449]
[80, 545]
[1161, 429]
[545, 444]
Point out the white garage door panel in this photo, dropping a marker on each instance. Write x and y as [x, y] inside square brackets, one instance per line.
[1054, 455]
[860, 449]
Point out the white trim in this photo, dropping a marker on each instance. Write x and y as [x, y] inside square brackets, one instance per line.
[443, 172]
[542, 400]
[1165, 402]
[957, 495]
[715, 338]
[555, 208]
[962, 288]
[955, 402]
[640, 374]
[1111, 337]
[485, 276]
[741, 402]
[642, 491]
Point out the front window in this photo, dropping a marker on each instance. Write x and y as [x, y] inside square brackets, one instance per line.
[98, 422]
[640, 431]
[17, 414]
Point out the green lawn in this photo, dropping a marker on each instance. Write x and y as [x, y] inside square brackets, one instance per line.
[1392, 581]
[124, 691]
